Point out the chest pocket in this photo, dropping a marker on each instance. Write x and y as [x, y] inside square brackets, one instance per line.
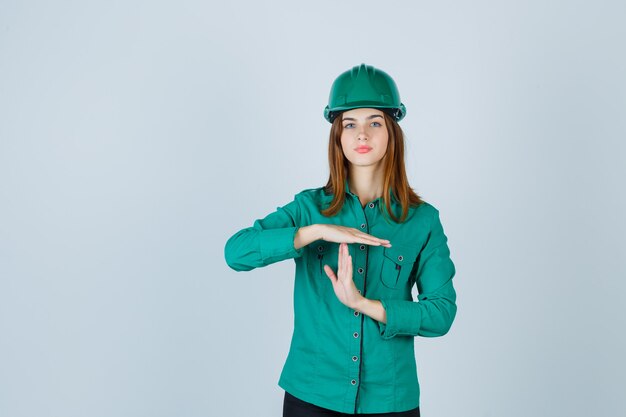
[397, 263]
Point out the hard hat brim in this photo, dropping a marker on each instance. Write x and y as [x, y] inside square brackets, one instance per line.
[331, 114]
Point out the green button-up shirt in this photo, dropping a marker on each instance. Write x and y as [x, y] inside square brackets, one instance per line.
[340, 359]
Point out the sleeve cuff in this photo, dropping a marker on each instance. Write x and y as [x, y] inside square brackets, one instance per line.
[401, 318]
[277, 244]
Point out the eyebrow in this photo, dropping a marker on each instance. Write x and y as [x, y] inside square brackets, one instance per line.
[368, 117]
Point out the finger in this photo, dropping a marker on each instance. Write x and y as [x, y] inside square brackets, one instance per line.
[346, 260]
[347, 264]
[377, 243]
[330, 273]
[370, 238]
[339, 258]
[365, 234]
[340, 261]
[377, 239]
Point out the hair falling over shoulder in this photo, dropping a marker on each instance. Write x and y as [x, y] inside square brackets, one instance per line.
[395, 178]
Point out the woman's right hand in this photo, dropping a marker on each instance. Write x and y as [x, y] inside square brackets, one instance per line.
[340, 234]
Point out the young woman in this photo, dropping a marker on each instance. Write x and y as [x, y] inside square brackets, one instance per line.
[359, 244]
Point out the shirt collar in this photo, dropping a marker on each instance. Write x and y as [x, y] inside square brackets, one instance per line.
[347, 188]
[378, 200]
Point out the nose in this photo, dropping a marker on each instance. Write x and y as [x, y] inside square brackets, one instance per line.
[362, 134]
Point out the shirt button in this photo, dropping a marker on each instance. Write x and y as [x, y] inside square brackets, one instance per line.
[356, 314]
[356, 334]
[320, 248]
[360, 270]
[355, 358]
[400, 258]
[362, 247]
[362, 225]
[353, 382]
[371, 205]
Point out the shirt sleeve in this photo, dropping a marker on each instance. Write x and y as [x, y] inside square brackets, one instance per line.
[269, 240]
[432, 315]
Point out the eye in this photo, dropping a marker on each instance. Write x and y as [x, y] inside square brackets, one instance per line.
[349, 124]
[376, 124]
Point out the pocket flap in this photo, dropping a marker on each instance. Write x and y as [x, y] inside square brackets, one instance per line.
[401, 254]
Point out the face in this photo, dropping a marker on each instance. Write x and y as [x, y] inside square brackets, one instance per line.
[364, 137]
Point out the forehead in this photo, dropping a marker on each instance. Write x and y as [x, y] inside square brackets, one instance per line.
[361, 113]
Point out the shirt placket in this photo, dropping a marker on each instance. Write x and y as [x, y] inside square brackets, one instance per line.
[360, 266]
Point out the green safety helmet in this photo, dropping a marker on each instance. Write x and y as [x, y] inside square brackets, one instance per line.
[364, 86]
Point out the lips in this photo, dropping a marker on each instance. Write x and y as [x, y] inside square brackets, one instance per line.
[363, 149]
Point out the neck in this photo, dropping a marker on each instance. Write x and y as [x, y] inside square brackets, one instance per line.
[366, 182]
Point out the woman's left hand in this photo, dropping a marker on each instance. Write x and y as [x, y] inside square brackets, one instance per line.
[344, 287]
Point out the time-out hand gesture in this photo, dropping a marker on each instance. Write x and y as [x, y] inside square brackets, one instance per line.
[342, 234]
[344, 287]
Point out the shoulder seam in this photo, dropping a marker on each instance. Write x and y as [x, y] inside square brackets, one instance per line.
[308, 190]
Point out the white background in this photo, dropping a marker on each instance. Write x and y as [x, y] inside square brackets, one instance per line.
[137, 137]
